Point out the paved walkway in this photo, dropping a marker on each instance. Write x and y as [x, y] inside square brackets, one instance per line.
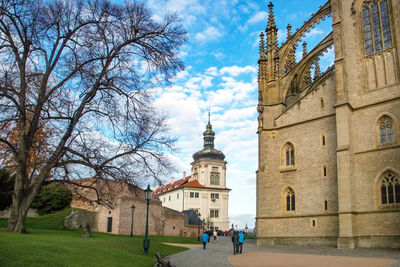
[221, 254]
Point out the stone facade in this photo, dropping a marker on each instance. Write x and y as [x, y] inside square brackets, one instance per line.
[114, 213]
[329, 146]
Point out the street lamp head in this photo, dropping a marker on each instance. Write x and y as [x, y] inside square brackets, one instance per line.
[133, 208]
[147, 192]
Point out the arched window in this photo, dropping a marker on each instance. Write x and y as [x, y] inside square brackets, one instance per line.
[290, 200]
[390, 188]
[377, 34]
[288, 151]
[386, 130]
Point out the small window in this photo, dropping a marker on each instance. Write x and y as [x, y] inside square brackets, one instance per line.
[191, 194]
[386, 130]
[196, 195]
[313, 223]
[290, 200]
[323, 140]
[214, 179]
[326, 204]
[324, 171]
[195, 170]
[322, 103]
[214, 213]
[169, 198]
[214, 196]
[177, 196]
[288, 151]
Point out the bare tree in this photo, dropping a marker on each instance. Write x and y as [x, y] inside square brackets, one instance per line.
[83, 70]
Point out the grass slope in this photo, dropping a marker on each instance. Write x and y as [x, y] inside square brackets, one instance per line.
[47, 246]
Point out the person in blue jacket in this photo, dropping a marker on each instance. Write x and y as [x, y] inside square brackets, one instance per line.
[205, 237]
[241, 240]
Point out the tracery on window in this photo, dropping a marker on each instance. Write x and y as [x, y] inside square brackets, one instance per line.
[377, 33]
[390, 188]
[386, 130]
[289, 154]
[290, 200]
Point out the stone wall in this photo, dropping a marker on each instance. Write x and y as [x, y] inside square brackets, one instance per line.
[78, 219]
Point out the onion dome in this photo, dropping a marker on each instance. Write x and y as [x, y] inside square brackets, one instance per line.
[208, 151]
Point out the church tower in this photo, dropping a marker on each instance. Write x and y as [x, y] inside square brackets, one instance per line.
[329, 140]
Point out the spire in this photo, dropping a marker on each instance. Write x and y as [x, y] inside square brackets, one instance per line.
[208, 134]
[304, 49]
[289, 31]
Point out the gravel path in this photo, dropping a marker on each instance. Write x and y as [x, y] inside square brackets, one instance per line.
[221, 254]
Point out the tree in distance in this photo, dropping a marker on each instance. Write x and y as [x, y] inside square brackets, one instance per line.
[81, 71]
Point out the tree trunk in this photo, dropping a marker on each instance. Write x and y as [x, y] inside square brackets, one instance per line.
[22, 200]
[19, 210]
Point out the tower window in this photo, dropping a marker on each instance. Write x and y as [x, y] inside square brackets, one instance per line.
[214, 179]
[196, 195]
[323, 140]
[322, 103]
[377, 33]
[324, 171]
[326, 204]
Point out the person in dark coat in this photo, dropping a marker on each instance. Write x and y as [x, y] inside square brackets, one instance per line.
[235, 241]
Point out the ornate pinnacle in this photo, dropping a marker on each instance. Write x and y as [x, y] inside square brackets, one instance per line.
[317, 71]
[271, 19]
[262, 47]
[289, 31]
[304, 49]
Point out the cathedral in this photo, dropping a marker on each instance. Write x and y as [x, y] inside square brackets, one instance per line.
[204, 191]
[329, 141]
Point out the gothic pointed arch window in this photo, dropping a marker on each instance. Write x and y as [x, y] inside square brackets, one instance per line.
[376, 23]
[288, 155]
[290, 200]
[385, 125]
[390, 188]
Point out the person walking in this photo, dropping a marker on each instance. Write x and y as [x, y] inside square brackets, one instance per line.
[215, 236]
[205, 237]
[235, 241]
[241, 241]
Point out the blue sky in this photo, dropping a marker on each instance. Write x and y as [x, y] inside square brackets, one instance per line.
[221, 74]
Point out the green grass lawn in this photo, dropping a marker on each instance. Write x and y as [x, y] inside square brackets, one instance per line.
[48, 246]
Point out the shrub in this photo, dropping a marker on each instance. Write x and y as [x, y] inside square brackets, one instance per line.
[6, 188]
[51, 198]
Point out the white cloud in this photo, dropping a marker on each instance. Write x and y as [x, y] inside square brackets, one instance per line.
[209, 34]
[258, 17]
[235, 70]
[212, 71]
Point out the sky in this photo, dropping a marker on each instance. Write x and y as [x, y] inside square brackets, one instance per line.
[221, 75]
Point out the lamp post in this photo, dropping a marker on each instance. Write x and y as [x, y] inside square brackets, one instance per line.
[133, 212]
[198, 226]
[146, 241]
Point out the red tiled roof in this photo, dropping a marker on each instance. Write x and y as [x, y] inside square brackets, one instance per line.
[183, 183]
[170, 187]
